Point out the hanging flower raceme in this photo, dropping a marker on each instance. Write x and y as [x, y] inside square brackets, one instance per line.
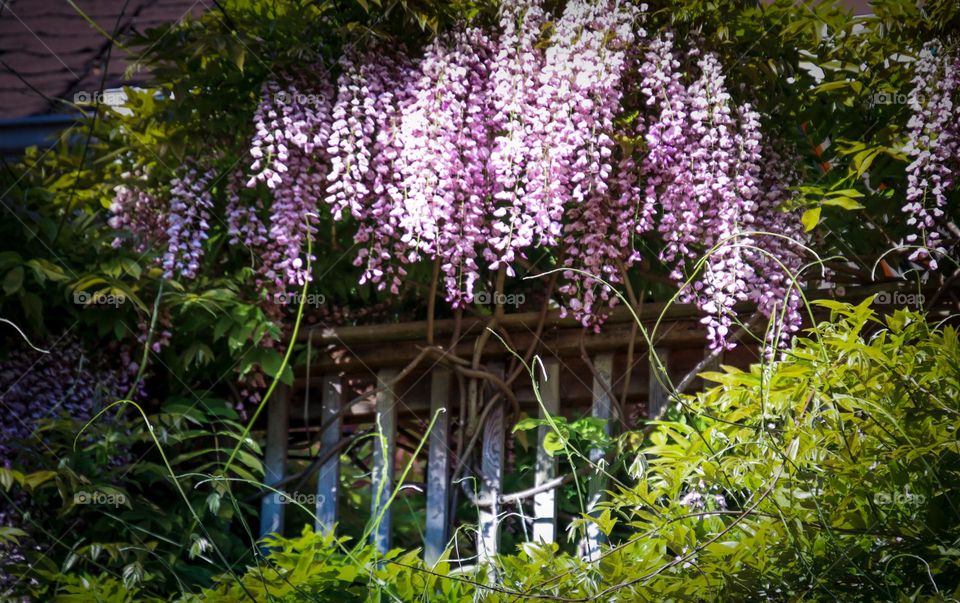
[138, 214]
[378, 220]
[709, 174]
[463, 233]
[187, 223]
[726, 177]
[933, 145]
[518, 163]
[66, 382]
[289, 150]
[437, 148]
[175, 229]
[589, 66]
[357, 113]
[664, 170]
[777, 256]
[243, 220]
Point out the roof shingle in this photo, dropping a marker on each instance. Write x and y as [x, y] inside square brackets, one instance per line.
[49, 46]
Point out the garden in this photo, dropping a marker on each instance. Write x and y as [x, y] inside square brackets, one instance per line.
[491, 300]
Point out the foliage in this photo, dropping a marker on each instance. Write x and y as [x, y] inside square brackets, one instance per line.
[105, 504]
[827, 475]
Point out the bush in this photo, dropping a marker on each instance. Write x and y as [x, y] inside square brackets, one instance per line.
[829, 474]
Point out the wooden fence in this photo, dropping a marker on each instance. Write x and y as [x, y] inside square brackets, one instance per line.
[396, 378]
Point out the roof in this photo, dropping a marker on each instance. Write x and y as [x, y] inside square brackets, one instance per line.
[48, 50]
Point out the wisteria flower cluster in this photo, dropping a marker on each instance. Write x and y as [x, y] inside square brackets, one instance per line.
[595, 183]
[176, 228]
[188, 223]
[475, 151]
[135, 211]
[777, 254]
[934, 147]
[293, 128]
[68, 381]
[244, 225]
[577, 131]
[717, 186]
[491, 143]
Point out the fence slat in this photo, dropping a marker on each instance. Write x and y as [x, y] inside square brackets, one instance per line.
[384, 448]
[602, 409]
[275, 460]
[438, 469]
[491, 479]
[545, 503]
[658, 394]
[328, 479]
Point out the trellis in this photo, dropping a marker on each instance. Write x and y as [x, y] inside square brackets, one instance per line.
[411, 379]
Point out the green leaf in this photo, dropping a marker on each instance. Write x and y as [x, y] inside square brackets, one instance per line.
[527, 424]
[270, 362]
[38, 478]
[131, 267]
[552, 443]
[13, 281]
[45, 269]
[810, 218]
[10, 535]
[8, 258]
[864, 159]
[844, 202]
[239, 55]
[8, 477]
[847, 192]
[723, 549]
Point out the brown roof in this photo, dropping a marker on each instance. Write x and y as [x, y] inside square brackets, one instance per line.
[48, 49]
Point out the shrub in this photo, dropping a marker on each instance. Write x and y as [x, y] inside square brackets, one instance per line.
[828, 474]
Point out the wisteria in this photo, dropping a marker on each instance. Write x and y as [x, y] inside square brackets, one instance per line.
[439, 196]
[68, 381]
[777, 255]
[703, 174]
[587, 67]
[243, 217]
[517, 162]
[934, 146]
[663, 169]
[136, 212]
[378, 223]
[289, 150]
[188, 223]
[175, 229]
[356, 113]
[490, 144]
[585, 136]
[717, 200]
